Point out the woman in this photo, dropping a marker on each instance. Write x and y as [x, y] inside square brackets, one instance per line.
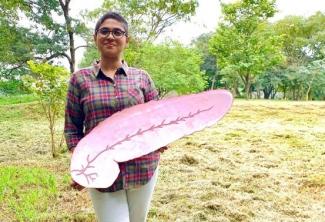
[96, 93]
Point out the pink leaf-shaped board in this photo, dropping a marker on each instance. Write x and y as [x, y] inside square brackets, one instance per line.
[142, 129]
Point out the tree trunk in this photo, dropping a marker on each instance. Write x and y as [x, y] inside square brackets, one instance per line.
[233, 90]
[237, 91]
[247, 86]
[298, 94]
[51, 116]
[214, 77]
[54, 152]
[309, 88]
[213, 81]
[284, 93]
[267, 93]
[72, 50]
[72, 53]
[273, 93]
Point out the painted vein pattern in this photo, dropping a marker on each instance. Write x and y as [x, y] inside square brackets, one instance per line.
[91, 176]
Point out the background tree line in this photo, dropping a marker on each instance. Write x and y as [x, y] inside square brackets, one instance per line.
[246, 54]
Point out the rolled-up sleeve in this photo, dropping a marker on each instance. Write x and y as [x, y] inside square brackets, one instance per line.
[149, 90]
[74, 116]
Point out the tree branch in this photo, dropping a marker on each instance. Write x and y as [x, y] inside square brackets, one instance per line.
[55, 55]
[81, 46]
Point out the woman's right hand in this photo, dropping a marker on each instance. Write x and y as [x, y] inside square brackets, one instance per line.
[76, 185]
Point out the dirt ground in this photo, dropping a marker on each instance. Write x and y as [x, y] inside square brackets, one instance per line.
[265, 161]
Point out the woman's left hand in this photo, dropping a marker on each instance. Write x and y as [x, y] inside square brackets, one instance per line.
[162, 149]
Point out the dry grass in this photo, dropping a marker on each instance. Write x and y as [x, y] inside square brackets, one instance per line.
[265, 161]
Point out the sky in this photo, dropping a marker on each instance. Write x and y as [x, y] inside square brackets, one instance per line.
[207, 16]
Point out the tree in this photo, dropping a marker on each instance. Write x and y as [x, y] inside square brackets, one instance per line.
[245, 41]
[148, 18]
[231, 79]
[315, 26]
[314, 76]
[209, 64]
[173, 67]
[304, 44]
[49, 84]
[42, 38]
[294, 39]
[269, 82]
[304, 38]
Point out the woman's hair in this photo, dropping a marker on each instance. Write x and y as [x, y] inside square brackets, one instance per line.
[112, 15]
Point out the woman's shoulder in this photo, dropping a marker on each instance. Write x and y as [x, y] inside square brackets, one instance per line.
[84, 71]
[133, 71]
[81, 75]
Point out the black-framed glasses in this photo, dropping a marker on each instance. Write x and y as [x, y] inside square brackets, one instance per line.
[117, 33]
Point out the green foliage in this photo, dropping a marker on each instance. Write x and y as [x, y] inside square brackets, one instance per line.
[27, 192]
[90, 55]
[22, 44]
[231, 79]
[49, 84]
[148, 18]
[47, 81]
[248, 13]
[303, 45]
[11, 87]
[12, 42]
[209, 65]
[314, 79]
[8, 8]
[173, 67]
[304, 38]
[43, 38]
[269, 82]
[294, 82]
[292, 30]
[315, 27]
[244, 42]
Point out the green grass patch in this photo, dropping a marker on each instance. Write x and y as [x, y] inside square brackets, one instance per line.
[21, 112]
[17, 99]
[263, 162]
[26, 193]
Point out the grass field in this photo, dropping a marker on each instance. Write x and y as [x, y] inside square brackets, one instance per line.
[16, 99]
[265, 161]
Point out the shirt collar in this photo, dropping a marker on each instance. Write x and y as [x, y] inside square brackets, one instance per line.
[121, 70]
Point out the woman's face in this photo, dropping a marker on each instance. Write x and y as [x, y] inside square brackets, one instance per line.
[108, 45]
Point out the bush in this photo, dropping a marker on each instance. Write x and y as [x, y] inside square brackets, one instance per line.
[12, 87]
[49, 83]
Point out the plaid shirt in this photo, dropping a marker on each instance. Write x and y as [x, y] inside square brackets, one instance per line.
[92, 97]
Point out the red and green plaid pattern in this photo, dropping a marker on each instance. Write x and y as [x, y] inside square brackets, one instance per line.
[92, 97]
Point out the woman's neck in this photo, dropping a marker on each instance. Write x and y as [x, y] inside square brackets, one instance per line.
[110, 64]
